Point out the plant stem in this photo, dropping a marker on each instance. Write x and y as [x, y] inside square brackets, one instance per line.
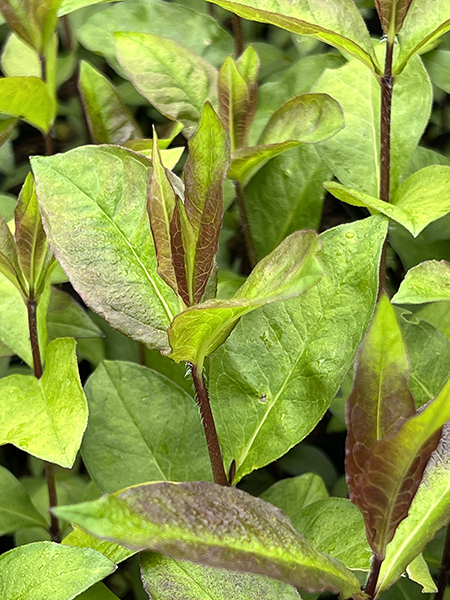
[372, 580]
[387, 84]
[238, 35]
[37, 364]
[245, 224]
[445, 568]
[215, 454]
[49, 147]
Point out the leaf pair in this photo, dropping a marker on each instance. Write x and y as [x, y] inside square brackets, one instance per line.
[26, 259]
[388, 443]
[186, 222]
[392, 13]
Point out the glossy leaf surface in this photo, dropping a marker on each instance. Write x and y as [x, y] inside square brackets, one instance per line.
[109, 120]
[335, 22]
[167, 579]
[307, 119]
[289, 270]
[46, 417]
[172, 78]
[16, 508]
[142, 427]
[358, 92]
[28, 98]
[429, 511]
[164, 517]
[425, 22]
[31, 571]
[428, 282]
[283, 393]
[93, 201]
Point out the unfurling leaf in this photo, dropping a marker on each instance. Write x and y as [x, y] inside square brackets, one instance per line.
[335, 22]
[33, 252]
[388, 445]
[216, 526]
[428, 282]
[9, 262]
[304, 119]
[34, 21]
[238, 95]
[289, 270]
[392, 13]
[204, 173]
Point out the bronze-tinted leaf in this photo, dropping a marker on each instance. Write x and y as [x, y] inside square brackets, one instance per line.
[9, 264]
[392, 13]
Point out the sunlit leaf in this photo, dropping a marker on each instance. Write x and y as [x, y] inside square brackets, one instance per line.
[19, 59]
[165, 516]
[419, 572]
[112, 551]
[428, 282]
[29, 99]
[46, 417]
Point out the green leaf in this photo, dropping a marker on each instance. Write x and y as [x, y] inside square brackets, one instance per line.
[98, 592]
[112, 551]
[335, 22]
[421, 199]
[294, 494]
[419, 572]
[66, 318]
[173, 78]
[199, 32]
[109, 120]
[288, 271]
[96, 196]
[33, 21]
[306, 119]
[68, 6]
[335, 526]
[19, 59]
[165, 516]
[31, 571]
[204, 174]
[429, 512]
[46, 417]
[16, 509]
[33, 252]
[425, 22]
[392, 13]
[358, 92]
[9, 262]
[296, 353]
[437, 64]
[167, 579]
[142, 427]
[428, 282]
[295, 179]
[29, 99]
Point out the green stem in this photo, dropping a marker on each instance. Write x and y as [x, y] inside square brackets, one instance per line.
[212, 440]
[245, 225]
[54, 529]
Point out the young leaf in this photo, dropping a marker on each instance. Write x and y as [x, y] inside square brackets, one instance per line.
[296, 353]
[168, 579]
[358, 92]
[109, 120]
[33, 252]
[392, 13]
[95, 199]
[307, 119]
[29, 99]
[425, 22]
[421, 199]
[429, 511]
[31, 571]
[289, 270]
[18, 59]
[46, 417]
[9, 262]
[173, 78]
[33, 21]
[165, 516]
[142, 427]
[338, 22]
[204, 173]
[16, 509]
[428, 282]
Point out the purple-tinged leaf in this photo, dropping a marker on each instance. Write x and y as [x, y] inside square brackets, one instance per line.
[204, 173]
[180, 233]
[380, 401]
[392, 13]
[9, 263]
[216, 526]
[34, 21]
[33, 252]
